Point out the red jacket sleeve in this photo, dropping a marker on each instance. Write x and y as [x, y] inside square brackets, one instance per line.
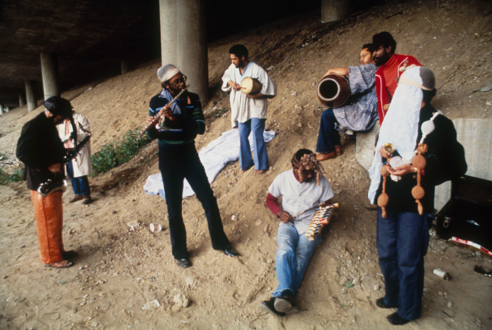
[382, 94]
[272, 203]
[413, 61]
[381, 89]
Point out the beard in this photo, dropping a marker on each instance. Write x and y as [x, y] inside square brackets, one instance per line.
[309, 179]
[303, 176]
[380, 60]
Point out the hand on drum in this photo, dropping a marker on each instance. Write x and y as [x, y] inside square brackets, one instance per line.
[235, 86]
[338, 71]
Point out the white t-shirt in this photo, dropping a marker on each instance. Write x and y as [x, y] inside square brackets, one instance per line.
[298, 197]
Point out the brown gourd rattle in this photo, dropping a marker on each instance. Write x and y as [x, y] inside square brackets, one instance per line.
[383, 199]
[419, 162]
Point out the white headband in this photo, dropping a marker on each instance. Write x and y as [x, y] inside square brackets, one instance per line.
[404, 80]
[167, 72]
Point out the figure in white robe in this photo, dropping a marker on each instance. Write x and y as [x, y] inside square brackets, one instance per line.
[243, 108]
[248, 112]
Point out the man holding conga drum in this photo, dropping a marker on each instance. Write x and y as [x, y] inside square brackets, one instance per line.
[250, 86]
[359, 113]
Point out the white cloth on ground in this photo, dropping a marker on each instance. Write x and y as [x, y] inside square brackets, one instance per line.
[243, 108]
[300, 197]
[400, 126]
[214, 158]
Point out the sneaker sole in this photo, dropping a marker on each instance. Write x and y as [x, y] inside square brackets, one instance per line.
[284, 306]
[265, 307]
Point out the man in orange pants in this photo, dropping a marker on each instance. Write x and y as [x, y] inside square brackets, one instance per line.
[41, 150]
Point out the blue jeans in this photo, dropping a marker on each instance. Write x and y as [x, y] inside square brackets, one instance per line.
[80, 185]
[175, 167]
[328, 136]
[402, 242]
[259, 148]
[293, 255]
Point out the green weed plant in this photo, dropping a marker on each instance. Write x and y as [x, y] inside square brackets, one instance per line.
[6, 178]
[219, 112]
[112, 155]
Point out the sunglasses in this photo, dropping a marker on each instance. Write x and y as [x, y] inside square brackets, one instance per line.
[181, 80]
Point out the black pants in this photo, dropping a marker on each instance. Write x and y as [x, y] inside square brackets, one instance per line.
[175, 166]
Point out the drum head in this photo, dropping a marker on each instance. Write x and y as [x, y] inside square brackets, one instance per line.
[250, 86]
[333, 90]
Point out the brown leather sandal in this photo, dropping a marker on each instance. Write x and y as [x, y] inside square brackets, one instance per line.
[60, 264]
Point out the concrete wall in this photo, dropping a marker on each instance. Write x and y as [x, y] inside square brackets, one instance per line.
[476, 136]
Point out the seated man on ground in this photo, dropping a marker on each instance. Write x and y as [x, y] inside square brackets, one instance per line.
[302, 191]
[359, 114]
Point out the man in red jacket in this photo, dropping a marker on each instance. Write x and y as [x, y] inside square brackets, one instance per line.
[391, 66]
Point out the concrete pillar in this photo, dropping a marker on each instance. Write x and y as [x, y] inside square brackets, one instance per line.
[21, 100]
[334, 10]
[1, 108]
[6, 109]
[183, 41]
[474, 135]
[364, 146]
[30, 98]
[124, 66]
[49, 71]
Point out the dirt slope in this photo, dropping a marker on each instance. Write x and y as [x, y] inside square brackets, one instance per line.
[119, 271]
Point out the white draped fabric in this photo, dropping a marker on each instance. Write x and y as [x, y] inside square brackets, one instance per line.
[214, 158]
[400, 126]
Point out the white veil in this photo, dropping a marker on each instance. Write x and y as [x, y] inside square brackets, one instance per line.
[400, 126]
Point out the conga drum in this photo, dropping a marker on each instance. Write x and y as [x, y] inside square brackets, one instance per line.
[333, 90]
[250, 86]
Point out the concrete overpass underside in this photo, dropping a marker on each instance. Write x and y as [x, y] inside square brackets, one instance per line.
[89, 38]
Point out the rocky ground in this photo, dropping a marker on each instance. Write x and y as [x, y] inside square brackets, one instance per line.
[127, 278]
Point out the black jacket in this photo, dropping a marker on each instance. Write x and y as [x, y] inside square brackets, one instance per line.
[445, 160]
[39, 146]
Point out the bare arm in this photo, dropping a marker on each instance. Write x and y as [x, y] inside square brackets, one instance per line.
[235, 86]
[338, 71]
